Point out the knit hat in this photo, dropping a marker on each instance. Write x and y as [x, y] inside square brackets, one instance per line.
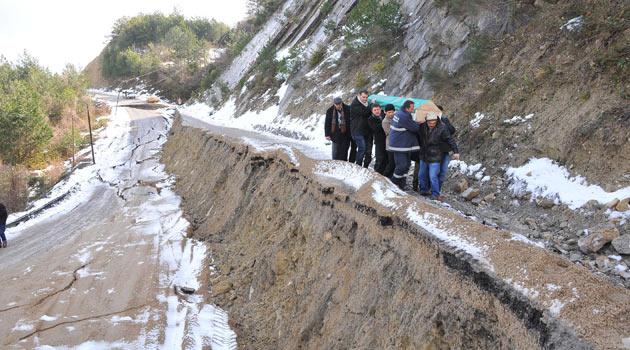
[337, 100]
[432, 116]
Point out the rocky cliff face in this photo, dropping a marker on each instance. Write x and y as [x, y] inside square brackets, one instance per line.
[497, 58]
[307, 262]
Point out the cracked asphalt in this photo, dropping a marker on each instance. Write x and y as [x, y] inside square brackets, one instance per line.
[91, 273]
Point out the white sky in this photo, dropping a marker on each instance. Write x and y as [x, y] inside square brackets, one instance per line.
[57, 32]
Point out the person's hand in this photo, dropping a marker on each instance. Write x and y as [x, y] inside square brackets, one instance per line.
[456, 156]
[328, 138]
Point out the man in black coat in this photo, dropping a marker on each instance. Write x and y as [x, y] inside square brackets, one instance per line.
[337, 128]
[361, 133]
[375, 121]
[3, 225]
[446, 149]
[434, 135]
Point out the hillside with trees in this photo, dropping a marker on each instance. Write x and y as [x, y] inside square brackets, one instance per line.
[168, 52]
[42, 117]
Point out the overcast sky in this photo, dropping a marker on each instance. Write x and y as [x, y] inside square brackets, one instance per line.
[74, 31]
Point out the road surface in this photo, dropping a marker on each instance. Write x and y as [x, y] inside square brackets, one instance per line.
[99, 270]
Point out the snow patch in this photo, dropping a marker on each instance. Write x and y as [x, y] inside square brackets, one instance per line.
[543, 177]
[348, 173]
[436, 226]
[474, 123]
[385, 192]
[518, 119]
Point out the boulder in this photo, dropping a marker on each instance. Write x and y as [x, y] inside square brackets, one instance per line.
[597, 238]
[622, 244]
[612, 204]
[592, 204]
[623, 205]
[470, 194]
[545, 203]
[461, 185]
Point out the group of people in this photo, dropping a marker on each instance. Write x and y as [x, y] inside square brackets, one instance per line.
[397, 139]
[3, 225]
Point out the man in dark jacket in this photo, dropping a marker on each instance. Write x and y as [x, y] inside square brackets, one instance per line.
[337, 128]
[446, 151]
[361, 134]
[433, 135]
[375, 122]
[403, 141]
[3, 225]
[387, 122]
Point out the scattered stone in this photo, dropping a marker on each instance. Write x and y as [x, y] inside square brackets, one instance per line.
[187, 290]
[623, 205]
[489, 198]
[221, 288]
[592, 204]
[531, 223]
[622, 244]
[545, 203]
[597, 238]
[281, 263]
[461, 185]
[603, 263]
[329, 276]
[328, 236]
[575, 257]
[499, 182]
[470, 193]
[612, 204]
[476, 201]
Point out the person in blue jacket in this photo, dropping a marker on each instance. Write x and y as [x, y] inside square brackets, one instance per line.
[403, 141]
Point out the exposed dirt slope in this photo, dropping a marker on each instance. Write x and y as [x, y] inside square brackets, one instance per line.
[305, 262]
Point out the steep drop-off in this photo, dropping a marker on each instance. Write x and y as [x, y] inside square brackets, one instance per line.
[307, 262]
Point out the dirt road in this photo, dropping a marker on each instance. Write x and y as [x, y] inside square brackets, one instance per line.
[99, 270]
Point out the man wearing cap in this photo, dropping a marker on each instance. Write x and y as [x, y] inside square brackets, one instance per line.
[403, 141]
[433, 135]
[337, 128]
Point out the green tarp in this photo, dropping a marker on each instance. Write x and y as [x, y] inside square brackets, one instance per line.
[396, 101]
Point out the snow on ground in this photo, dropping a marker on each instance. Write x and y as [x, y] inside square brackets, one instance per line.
[474, 123]
[518, 119]
[476, 170]
[309, 130]
[386, 192]
[438, 227]
[350, 174]
[265, 147]
[574, 24]
[191, 324]
[543, 177]
[112, 147]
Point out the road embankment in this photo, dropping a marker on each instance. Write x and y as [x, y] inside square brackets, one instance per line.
[323, 254]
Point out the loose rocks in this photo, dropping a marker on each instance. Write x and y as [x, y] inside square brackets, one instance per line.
[470, 193]
[622, 244]
[597, 238]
